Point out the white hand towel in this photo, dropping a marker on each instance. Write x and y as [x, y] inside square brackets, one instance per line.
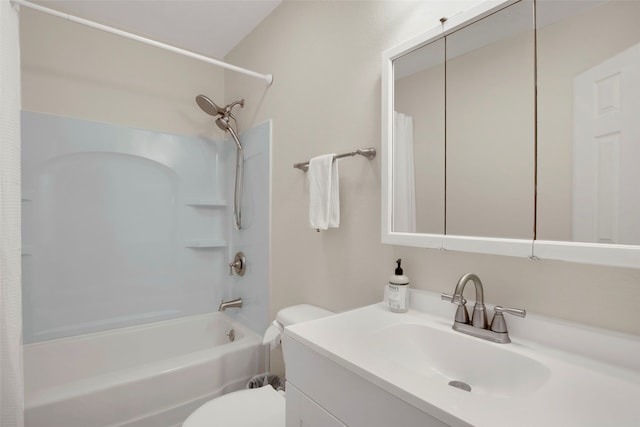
[324, 192]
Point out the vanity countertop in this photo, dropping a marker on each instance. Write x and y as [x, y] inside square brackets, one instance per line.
[554, 373]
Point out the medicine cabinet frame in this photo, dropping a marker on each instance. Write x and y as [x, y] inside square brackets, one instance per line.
[591, 253]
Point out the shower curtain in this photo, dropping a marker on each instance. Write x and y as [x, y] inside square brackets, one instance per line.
[11, 379]
[404, 192]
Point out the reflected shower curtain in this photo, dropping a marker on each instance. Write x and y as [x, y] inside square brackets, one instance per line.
[404, 192]
[11, 378]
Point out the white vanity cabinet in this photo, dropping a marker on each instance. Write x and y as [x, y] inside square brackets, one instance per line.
[321, 393]
[371, 367]
[304, 412]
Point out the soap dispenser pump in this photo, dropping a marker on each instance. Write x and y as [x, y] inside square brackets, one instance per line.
[399, 290]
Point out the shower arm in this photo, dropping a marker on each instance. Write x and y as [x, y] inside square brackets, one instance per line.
[233, 104]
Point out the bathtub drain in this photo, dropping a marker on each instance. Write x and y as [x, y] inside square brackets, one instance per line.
[232, 335]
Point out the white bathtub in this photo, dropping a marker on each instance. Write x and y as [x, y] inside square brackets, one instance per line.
[152, 375]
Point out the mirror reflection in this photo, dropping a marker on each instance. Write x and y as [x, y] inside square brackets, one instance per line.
[490, 89]
[418, 140]
[588, 127]
[463, 135]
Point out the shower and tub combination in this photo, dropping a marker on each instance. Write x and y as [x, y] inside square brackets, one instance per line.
[126, 239]
[127, 242]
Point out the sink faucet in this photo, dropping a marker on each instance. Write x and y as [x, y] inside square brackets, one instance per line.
[228, 304]
[497, 331]
[479, 314]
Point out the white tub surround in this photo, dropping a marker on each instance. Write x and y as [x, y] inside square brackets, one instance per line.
[151, 375]
[396, 368]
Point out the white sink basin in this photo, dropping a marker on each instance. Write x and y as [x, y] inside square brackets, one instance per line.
[453, 359]
[552, 374]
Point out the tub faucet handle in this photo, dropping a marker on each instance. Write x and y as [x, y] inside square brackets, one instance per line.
[239, 264]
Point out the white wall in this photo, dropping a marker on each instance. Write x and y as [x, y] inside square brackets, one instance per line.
[75, 71]
[325, 98]
[325, 57]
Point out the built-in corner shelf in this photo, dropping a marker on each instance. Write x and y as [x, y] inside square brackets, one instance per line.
[26, 251]
[205, 243]
[205, 203]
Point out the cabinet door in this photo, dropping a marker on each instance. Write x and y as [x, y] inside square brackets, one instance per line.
[304, 412]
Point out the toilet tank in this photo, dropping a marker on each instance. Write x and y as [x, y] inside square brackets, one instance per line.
[285, 317]
[300, 313]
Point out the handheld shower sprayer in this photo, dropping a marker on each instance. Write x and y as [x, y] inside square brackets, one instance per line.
[223, 115]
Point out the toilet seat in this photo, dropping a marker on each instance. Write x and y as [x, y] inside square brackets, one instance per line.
[255, 407]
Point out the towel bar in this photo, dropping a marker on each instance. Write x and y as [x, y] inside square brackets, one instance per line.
[369, 153]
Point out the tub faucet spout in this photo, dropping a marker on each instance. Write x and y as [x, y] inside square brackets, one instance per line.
[228, 304]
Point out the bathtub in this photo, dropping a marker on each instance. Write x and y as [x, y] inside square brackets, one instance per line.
[151, 375]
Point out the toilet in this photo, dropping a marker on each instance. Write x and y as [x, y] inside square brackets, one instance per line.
[263, 406]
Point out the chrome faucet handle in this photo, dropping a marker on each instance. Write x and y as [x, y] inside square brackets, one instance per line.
[233, 265]
[455, 299]
[239, 264]
[446, 297]
[462, 315]
[498, 324]
[515, 311]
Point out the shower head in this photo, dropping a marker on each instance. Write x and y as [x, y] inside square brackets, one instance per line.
[223, 113]
[208, 106]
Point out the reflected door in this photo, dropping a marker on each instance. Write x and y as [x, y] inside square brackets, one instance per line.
[606, 151]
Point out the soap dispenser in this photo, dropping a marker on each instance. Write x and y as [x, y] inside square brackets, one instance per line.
[399, 291]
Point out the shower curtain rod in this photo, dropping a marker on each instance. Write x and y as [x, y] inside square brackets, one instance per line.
[268, 78]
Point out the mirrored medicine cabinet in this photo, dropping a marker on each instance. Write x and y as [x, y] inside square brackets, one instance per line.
[513, 129]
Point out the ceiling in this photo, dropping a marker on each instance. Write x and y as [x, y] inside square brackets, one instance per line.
[208, 27]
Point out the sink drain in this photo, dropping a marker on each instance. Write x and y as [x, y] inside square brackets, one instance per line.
[461, 385]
